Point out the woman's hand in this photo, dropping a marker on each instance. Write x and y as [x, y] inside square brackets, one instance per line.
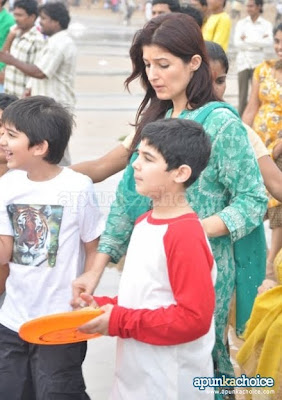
[267, 284]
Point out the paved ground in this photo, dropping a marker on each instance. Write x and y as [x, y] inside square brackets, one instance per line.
[104, 111]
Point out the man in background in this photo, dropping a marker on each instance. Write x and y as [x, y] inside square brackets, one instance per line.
[53, 71]
[252, 36]
[6, 21]
[27, 42]
[164, 6]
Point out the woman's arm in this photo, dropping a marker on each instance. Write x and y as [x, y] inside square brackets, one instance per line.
[214, 226]
[272, 177]
[237, 177]
[90, 249]
[126, 208]
[253, 104]
[100, 169]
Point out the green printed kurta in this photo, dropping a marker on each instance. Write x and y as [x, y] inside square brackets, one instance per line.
[231, 187]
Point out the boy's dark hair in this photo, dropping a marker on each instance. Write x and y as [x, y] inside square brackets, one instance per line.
[173, 5]
[42, 118]
[30, 6]
[179, 141]
[57, 12]
[259, 3]
[3, 2]
[6, 99]
[193, 12]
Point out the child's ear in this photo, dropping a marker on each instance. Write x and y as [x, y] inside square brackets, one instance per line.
[183, 173]
[41, 149]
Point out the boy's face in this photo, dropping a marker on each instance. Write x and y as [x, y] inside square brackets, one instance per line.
[160, 9]
[2, 153]
[15, 144]
[151, 177]
[215, 5]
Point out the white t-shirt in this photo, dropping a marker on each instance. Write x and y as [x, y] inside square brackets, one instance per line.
[163, 315]
[50, 221]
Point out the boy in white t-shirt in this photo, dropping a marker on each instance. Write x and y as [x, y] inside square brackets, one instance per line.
[163, 315]
[49, 227]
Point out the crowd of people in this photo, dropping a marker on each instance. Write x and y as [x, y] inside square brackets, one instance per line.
[199, 180]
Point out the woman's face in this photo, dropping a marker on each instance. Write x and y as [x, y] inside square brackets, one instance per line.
[278, 44]
[168, 74]
[218, 78]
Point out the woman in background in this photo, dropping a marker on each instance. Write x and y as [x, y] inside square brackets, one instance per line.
[264, 114]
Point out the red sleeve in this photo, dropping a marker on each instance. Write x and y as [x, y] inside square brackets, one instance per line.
[189, 263]
[102, 300]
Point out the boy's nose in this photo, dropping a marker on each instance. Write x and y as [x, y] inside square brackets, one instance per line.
[3, 140]
[135, 163]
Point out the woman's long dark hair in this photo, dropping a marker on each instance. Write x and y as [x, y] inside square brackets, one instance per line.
[180, 35]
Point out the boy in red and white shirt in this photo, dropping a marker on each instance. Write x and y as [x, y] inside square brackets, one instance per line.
[163, 315]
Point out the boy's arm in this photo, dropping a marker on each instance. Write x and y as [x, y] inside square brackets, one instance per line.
[87, 282]
[189, 267]
[253, 103]
[4, 273]
[90, 253]
[6, 248]
[91, 224]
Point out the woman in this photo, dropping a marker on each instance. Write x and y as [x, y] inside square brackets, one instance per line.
[217, 26]
[169, 57]
[261, 352]
[264, 114]
[272, 176]
[249, 252]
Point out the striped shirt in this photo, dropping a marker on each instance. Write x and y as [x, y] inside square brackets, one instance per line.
[57, 61]
[24, 48]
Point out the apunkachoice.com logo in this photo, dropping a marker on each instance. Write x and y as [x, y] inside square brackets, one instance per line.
[225, 381]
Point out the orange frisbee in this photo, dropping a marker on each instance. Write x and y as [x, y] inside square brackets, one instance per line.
[59, 328]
